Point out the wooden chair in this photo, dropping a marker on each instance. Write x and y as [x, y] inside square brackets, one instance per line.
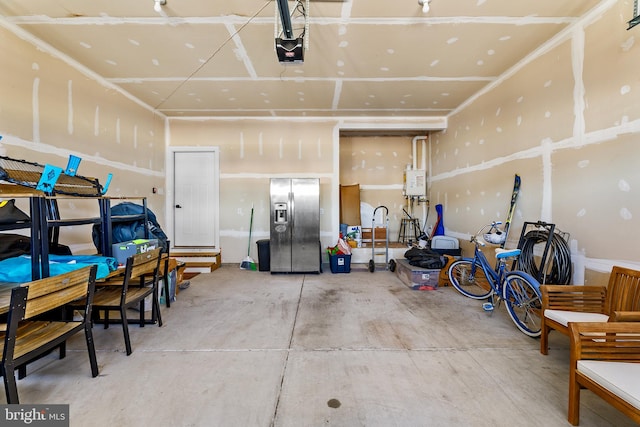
[141, 276]
[27, 336]
[625, 316]
[605, 358]
[563, 304]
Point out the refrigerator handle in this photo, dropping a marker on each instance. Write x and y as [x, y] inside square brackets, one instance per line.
[292, 209]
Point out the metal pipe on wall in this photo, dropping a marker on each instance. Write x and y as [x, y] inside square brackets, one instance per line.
[423, 153]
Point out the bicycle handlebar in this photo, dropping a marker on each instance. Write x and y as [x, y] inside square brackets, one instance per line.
[492, 226]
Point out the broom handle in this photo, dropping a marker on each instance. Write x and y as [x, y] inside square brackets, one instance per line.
[250, 227]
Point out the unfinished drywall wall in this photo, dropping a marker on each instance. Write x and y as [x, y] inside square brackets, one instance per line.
[566, 120]
[377, 163]
[254, 150]
[251, 153]
[50, 110]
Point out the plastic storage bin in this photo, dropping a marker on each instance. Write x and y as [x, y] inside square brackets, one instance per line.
[264, 255]
[415, 277]
[340, 263]
[445, 245]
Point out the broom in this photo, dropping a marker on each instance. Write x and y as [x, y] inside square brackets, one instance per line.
[248, 263]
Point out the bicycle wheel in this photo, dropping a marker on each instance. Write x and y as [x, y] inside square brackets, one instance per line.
[522, 297]
[470, 282]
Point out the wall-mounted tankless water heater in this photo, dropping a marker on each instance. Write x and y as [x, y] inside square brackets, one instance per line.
[415, 182]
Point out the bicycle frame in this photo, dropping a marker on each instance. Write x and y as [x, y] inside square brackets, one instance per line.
[493, 272]
[496, 274]
[518, 289]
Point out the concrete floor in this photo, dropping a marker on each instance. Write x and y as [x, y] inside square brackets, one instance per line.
[247, 348]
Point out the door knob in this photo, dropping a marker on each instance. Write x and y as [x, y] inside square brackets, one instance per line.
[178, 207]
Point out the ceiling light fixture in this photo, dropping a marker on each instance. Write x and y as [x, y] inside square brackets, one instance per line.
[425, 5]
[158, 5]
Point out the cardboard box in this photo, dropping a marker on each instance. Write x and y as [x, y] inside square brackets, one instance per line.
[350, 204]
[381, 233]
[122, 251]
[443, 280]
[354, 234]
[415, 277]
[367, 237]
[173, 264]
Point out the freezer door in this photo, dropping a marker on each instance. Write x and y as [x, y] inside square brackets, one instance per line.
[281, 223]
[305, 236]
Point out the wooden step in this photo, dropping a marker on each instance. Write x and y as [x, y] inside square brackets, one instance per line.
[199, 262]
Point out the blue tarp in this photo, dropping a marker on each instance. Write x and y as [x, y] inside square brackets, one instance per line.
[18, 269]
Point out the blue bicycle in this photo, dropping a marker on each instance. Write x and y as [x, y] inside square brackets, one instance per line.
[477, 279]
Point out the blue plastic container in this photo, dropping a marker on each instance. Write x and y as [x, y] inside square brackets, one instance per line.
[340, 263]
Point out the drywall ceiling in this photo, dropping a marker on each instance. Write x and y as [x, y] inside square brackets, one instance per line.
[365, 57]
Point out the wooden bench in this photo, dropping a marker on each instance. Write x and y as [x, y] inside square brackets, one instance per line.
[27, 336]
[605, 358]
[563, 304]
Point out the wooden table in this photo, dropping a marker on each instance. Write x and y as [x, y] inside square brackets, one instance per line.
[5, 287]
[5, 296]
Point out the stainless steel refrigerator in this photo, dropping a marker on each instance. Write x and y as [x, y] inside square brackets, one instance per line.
[295, 225]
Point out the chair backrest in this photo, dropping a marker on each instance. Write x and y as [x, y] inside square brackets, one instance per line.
[144, 264]
[623, 290]
[53, 292]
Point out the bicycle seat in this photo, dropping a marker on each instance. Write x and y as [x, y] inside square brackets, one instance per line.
[507, 253]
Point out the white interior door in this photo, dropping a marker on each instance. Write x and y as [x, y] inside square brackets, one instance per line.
[195, 196]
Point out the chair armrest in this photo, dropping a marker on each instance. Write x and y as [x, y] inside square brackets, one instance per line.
[625, 316]
[613, 341]
[574, 298]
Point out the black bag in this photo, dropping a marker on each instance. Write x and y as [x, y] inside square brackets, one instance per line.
[10, 214]
[425, 258]
[13, 245]
[125, 231]
[58, 249]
